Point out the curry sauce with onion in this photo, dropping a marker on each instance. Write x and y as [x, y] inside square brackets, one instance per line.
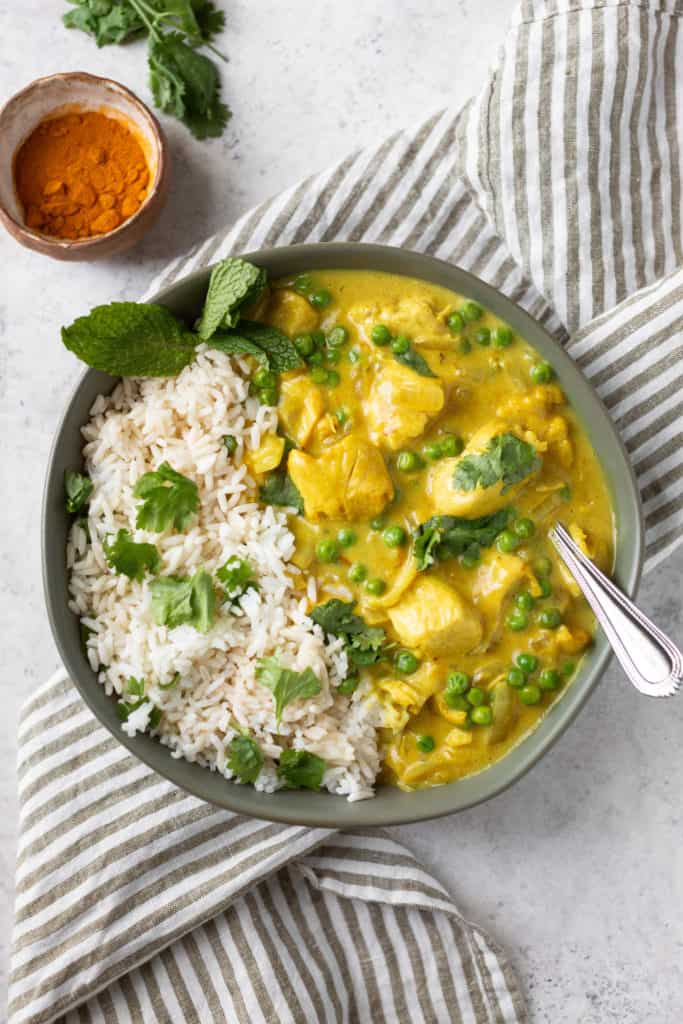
[432, 449]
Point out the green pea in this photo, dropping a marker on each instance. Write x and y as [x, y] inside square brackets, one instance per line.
[303, 283]
[378, 522]
[375, 587]
[316, 359]
[543, 566]
[333, 355]
[470, 558]
[472, 311]
[425, 743]
[516, 678]
[432, 451]
[550, 618]
[230, 442]
[517, 620]
[455, 322]
[408, 462]
[337, 337]
[465, 346]
[566, 493]
[406, 662]
[267, 396]
[318, 338]
[304, 344]
[320, 299]
[530, 694]
[319, 375]
[476, 696]
[455, 701]
[506, 542]
[501, 337]
[458, 682]
[357, 572]
[394, 536]
[333, 379]
[524, 528]
[341, 416]
[483, 337]
[452, 445]
[347, 537]
[380, 335]
[527, 662]
[354, 355]
[265, 378]
[327, 551]
[349, 686]
[400, 345]
[545, 586]
[541, 373]
[568, 669]
[482, 715]
[549, 679]
[524, 600]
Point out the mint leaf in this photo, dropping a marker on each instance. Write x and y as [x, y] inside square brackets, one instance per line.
[236, 345]
[364, 644]
[131, 559]
[78, 490]
[237, 576]
[285, 684]
[507, 458]
[185, 83]
[414, 361]
[281, 352]
[443, 537]
[234, 283]
[131, 339]
[300, 769]
[165, 506]
[279, 489]
[183, 600]
[246, 758]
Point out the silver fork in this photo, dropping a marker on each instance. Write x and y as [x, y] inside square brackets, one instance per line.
[652, 662]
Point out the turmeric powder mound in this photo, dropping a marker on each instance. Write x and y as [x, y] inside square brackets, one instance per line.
[79, 175]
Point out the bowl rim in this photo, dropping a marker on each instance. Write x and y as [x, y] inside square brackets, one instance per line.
[390, 806]
[19, 228]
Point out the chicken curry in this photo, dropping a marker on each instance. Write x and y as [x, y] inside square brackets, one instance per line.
[428, 449]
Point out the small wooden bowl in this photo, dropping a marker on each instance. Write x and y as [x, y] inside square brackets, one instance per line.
[73, 93]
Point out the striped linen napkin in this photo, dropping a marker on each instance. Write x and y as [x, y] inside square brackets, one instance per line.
[560, 185]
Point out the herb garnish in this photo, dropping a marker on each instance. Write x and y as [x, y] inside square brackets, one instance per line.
[131, 559]
[285, 684]
[165, 506]
[506, 459]
[183, 600]
[245, 758]
[364, 644]
[183, 82]
[414, 361]
[78, 490]
[443, 537]
[280, 490]
[234, 283]
[124, 708]
[301, 770]
[237, 576]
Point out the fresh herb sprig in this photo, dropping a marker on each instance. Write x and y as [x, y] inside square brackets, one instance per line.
[507, 460]
[285, 684]
[364, 644]
[443, 537]
[184, 82]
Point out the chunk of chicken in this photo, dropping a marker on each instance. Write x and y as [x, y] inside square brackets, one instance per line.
[291, 313]
[400, 404]
[434, 619]
[410, 692]
[498, 577]
[536, 411]
[419, 319]
[348, 481]
[448, 499]
[267, 456]
[302, 403]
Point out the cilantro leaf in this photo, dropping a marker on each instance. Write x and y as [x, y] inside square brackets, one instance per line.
[281, 352]
[185, 83]
[285, 684]
[280, 490]
[301, 770]
[507, 458]
[443, 537]
[164, 506]
[131, 559]
[211, 21]
[109, 21]
[183, 600]
[78, 490]
[131, 339]
[237, 576]
[234, 283]
[364, 643]
[414, 361]
[246, 758]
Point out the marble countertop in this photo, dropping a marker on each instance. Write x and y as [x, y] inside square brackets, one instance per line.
[576, 870]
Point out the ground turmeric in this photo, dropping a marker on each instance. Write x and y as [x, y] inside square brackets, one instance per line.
[80, 174]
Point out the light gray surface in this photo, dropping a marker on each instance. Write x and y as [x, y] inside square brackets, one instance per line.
[576, 870]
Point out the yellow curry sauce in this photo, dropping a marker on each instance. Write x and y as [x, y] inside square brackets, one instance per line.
[376, 446]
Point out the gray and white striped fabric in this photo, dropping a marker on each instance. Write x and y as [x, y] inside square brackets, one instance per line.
[560, 185]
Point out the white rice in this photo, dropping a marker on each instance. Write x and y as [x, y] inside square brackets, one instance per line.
[183, 420]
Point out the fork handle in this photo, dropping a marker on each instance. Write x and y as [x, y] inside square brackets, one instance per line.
[652, 662]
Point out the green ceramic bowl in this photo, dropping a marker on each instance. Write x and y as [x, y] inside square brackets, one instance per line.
[390, 806]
